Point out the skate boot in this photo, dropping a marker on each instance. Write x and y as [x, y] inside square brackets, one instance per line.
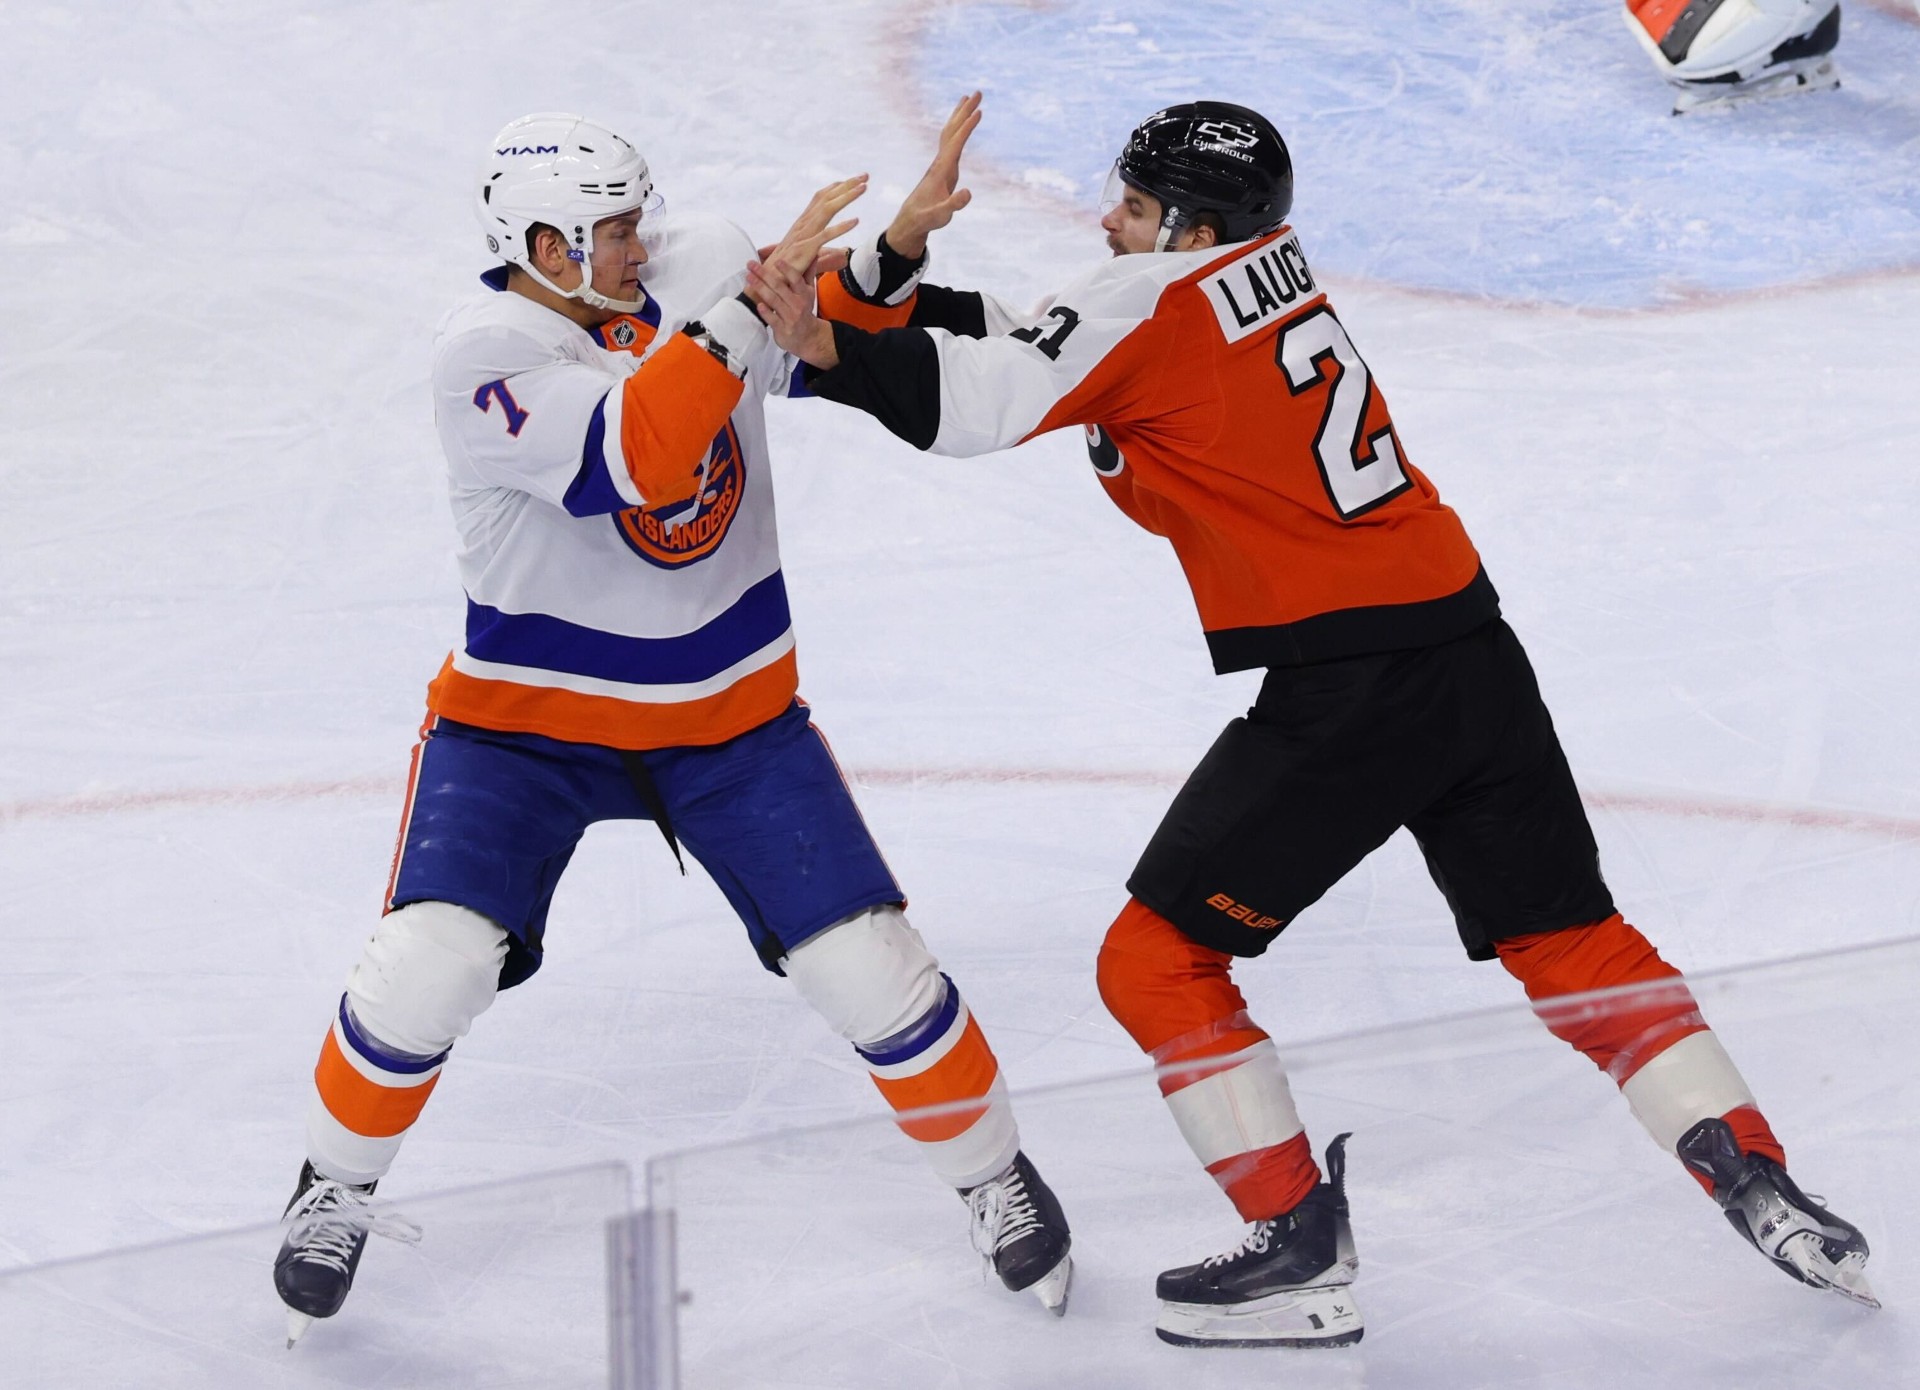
[1765, 1206]
[1801, 62]
[327, 1226]
[1019, 1229]
[1285, 1285]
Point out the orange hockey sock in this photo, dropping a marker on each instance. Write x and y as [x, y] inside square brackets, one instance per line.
[366, 1096]
[1647, 1014]
[1620, 1032]
[943, 1081]
[1219, 1072]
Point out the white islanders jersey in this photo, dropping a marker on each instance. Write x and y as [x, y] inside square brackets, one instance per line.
[615, 513]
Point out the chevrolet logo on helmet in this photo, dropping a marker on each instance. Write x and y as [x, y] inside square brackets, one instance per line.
[1225, 137]
[1228, 134]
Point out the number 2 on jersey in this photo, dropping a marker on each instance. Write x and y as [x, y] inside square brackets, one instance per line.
[1361, 471]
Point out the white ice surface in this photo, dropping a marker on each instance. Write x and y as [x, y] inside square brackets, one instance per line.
[226, 576]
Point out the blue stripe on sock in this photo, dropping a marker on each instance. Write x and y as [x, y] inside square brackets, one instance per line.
[401, 1063]
[916, 1037]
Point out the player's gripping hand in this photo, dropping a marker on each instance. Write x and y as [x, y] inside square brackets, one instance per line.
[937, 197]
[830, 260]
[785, 300]
[797, 255]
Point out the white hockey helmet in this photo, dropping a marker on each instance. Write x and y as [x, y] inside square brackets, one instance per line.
[566, 172]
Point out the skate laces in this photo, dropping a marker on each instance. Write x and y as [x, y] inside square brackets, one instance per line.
[1002, 1213]
[331, 1219]
[1256, 1243]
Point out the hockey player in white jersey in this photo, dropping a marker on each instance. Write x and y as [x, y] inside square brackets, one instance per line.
[629, 655]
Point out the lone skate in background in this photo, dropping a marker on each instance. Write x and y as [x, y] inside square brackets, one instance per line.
[1720, 53]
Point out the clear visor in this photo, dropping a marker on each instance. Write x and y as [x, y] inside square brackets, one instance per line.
[1115, 192]
[646, 224]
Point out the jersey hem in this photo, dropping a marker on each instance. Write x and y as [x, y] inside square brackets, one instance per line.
[1351, 632]
[509, 708]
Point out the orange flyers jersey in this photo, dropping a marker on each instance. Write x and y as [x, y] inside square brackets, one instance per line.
[614, 505]
[1227, 410]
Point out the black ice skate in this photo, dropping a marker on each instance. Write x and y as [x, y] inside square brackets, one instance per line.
[1286, 1285]
[1765, 1206]
[1019, 1229]
[327, 1226]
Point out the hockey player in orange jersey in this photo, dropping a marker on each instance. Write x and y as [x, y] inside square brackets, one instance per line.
[1227, 409]
[629, 655]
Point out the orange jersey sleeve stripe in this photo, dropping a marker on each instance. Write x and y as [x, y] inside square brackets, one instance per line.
[576, 718]
[965, 1073]
[670, 410]
[363, 1106]
[841, 305]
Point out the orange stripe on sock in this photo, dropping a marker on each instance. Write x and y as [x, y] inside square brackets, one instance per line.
[1754, 1136]
[966, 1073]
[1206, 1052]
[1622, 1032]
[366, 1107]
[1266, 1182]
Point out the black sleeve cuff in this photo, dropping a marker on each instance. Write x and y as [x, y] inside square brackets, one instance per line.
[962, 313]
[893, 375]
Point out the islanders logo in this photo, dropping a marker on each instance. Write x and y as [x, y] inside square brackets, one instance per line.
[682, 533]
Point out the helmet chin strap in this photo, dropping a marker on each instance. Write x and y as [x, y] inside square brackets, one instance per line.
[585, 293]
[1172, 224]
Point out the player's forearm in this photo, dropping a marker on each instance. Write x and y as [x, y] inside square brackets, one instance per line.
[881, 287]
[893, 375]
[661, 422]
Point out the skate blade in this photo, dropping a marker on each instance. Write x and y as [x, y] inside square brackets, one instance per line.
[1820, 77]
[297, 1325]
[1848, 1278]
[1322, 1317]
[1053, 1287]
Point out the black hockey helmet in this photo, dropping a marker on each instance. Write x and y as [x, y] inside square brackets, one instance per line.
[1211, 156]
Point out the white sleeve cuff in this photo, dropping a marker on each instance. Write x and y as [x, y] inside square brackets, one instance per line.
[747, 339]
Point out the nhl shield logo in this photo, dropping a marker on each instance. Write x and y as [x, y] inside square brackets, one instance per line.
[623, 335]
[682, 533]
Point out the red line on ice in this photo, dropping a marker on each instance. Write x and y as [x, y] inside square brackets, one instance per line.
[1901, 828]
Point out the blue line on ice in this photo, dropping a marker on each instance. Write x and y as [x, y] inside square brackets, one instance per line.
[1512, 149]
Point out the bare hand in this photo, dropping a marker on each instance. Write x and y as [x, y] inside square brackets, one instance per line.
[831, 260]
[936, 198]
[799, 253]
[786, 303]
